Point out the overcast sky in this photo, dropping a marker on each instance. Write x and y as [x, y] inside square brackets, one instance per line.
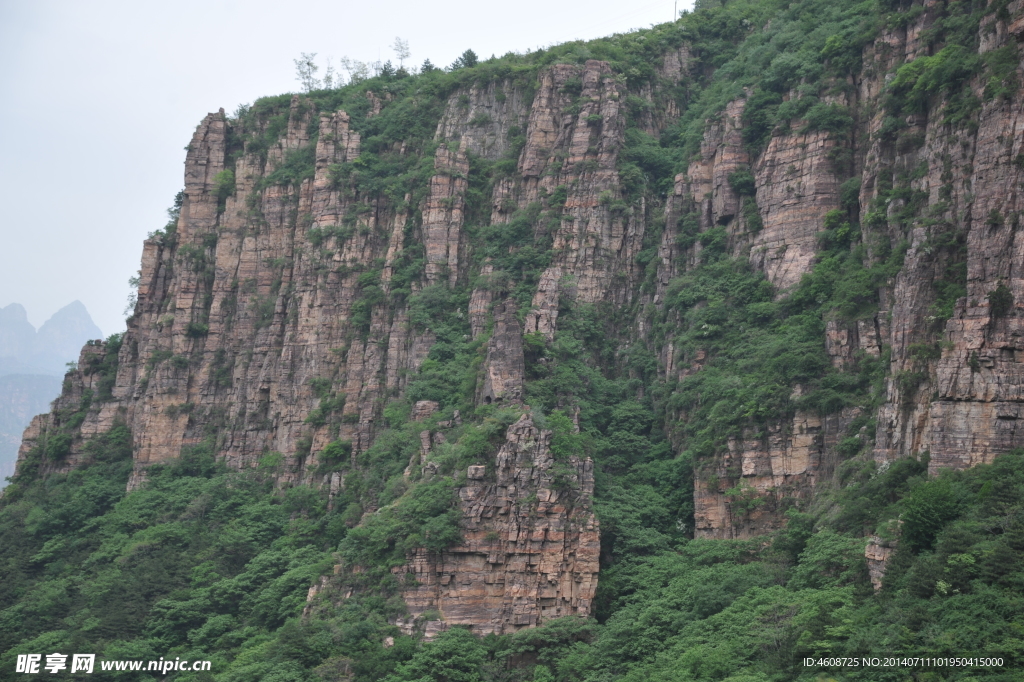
[101, 97]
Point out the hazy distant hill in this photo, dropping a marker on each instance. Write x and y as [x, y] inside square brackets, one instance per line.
[22, 396]
[32, 365]
[23, 350]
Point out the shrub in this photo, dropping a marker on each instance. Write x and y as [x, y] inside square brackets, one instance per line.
[565, 441]
[1000, 301]
[743, 182]
[58, 446]
[197, 329]
[926, 510]
[945, 73]
[715, 242]
[752, 215]
[833, 118]
[223, 186]
[336, 452]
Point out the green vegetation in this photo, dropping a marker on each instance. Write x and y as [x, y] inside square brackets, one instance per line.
[1000, 300]
[202, 563]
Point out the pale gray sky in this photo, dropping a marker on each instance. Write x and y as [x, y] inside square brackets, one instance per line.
[101, 96]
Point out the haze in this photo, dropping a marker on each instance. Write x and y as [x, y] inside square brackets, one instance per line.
[102, 97]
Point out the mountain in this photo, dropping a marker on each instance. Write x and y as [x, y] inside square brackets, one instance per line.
[31, 367]
[61, 337]
[17, 338]
[685, 354]
[58, 341]
[22, 396]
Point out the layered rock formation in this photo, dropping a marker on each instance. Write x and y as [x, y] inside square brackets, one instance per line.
[965, 407]
[251, 315]
[742, 493]
[504, 365]
[530, 544]
[953, 392]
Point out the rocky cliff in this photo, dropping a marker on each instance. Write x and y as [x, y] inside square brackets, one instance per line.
[949, 393]
[530, 544]
[279, 311]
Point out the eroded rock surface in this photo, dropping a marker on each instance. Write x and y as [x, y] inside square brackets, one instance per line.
[504, 366]
[530, 544]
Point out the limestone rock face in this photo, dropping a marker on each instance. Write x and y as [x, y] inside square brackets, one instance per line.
[740, 495]
[545, 305]
[965, 406]
[796, 187]
[722, 153]
[250, 300]
[530, 544]
[579, 150]
[955, 390]
[480, 303]
[423, 409]
[248, 317]
[877, 553]
[504, 367]
[482, 118]
[442, 219]
[79, 386]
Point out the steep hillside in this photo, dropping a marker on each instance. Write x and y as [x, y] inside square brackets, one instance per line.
[696, 347]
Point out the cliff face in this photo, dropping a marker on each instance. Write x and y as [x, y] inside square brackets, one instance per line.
[963, 410]
[259, 295]
[952, 391]
[530, 544]
[275, 296]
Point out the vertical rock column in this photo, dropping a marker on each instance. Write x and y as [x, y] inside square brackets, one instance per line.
[444, 213]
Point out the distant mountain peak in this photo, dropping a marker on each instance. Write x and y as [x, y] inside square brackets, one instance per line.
[57, 342]
[15, 312]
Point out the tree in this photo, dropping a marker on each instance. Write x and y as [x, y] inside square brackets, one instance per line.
[927, 510]
[455, 656]
[467, 59]
[305, 71]
[401, 50]
[306, 68]
[329, 77]
[357, 70]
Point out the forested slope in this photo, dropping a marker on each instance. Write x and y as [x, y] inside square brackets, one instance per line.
[685, 354]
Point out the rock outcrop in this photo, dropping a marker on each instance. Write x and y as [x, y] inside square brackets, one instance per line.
[443, 216]
[954, 391]
[530, 544]
[504, 367]
[963, 406]
[877, 554]
[742, 493]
